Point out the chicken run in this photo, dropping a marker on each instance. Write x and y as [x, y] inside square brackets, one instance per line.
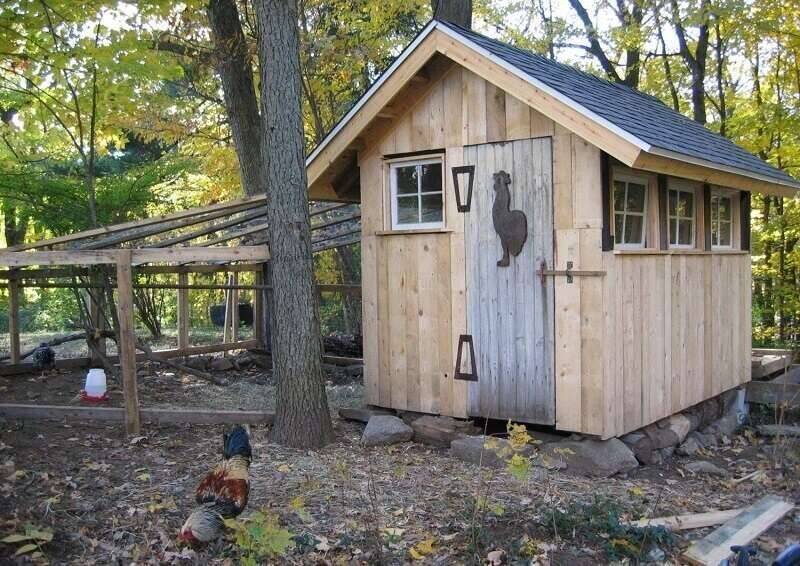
[78, 488]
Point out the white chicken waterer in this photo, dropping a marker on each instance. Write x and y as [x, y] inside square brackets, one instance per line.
[95, 388]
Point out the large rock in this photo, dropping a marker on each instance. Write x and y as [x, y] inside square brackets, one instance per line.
[778, 430]
[593, 458]
[441, 431]
[689, 446]
[642, 447]
[482, 451]
[681, 426]
[661, 437]
[386, 429]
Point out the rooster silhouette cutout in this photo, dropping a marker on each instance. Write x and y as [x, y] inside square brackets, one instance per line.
[510, 225]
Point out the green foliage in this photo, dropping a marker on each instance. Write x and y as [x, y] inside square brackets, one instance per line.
[598, 521]
[259, 537]
[30, 540]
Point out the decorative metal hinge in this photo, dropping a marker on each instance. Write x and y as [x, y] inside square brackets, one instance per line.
[473, 374]
[569, 272]
[470, 170]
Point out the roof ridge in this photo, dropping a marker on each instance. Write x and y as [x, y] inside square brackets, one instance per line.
[549, 61]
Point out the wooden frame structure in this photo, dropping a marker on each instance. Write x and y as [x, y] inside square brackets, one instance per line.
[221, 238]
[637, 334]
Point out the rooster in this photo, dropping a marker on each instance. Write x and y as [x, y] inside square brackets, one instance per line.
[44, 358]
[223, 492]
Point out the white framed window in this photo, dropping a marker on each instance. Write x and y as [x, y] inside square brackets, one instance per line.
[417, 194]
[721, 220]
[681, 216]
[630, 211]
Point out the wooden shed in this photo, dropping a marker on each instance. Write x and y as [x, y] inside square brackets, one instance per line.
[539, 244]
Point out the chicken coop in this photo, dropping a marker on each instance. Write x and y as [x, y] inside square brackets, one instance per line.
[103, 266]
[542, 245]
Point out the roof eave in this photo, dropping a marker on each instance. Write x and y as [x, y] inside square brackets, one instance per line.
[787, 184]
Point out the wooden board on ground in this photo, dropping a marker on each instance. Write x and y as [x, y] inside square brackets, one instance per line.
[117, 414]
[687, 522]
[765, 364]
[740, 530]
[774, 393]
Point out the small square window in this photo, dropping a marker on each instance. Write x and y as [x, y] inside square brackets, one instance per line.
[721, 220]
[630, 211]
[680, 211]
[417, 194]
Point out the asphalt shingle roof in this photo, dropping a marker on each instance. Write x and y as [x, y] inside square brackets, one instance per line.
[639, 114]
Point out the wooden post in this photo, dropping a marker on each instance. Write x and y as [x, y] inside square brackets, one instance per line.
[183, 312]
[235, 306]
[127, 341]
[96, 297]
[226, 331]
[258, 311]
[13, 320]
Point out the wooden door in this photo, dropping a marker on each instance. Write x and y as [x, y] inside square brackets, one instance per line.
[509, 309]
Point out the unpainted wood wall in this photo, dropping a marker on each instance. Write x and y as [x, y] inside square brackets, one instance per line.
[413, 285]
[631, 347]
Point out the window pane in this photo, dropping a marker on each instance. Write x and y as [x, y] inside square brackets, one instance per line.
[724, 208]
[714, 232]
[635, 197]
[673, 203]
[619, 196]
[408, 210]
[432, 208]
[633, 230]
[684, 232]
[406, 180]
[618, 227]
[432, 177]
[686, 205]
[724, 233]
[714, 207]
[673, 231]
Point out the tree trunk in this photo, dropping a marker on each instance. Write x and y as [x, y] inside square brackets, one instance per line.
[232, 62]
[458, 12]
[302, 418]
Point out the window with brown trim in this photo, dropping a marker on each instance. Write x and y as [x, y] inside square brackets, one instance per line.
[722, 220]
[681, 216]
[630, 211]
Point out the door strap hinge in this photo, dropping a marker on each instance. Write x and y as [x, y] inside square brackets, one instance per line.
[472, 375]
[569, 272]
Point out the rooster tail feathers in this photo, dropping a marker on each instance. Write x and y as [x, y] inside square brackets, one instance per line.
[236, 443]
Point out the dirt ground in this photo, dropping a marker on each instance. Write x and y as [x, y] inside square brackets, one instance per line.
[108, 500]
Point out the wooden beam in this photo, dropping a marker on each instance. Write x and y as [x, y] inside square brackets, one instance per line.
[117, 414]
[740, 530]
[127, 342]
[58, 272]
[146, 231]
[78, 363]
[659, 164]
[687, 522]
[254, 201]
[183, 312]
[226, 327]
[209, 229]
[144, 255]
[13, 321]
[784, 395]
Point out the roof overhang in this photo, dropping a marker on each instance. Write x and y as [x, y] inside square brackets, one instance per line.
[435, 38]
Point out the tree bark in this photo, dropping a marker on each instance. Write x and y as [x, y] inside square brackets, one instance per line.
[695, 61]
[233, 64]
[458, 12]
[302, 418]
